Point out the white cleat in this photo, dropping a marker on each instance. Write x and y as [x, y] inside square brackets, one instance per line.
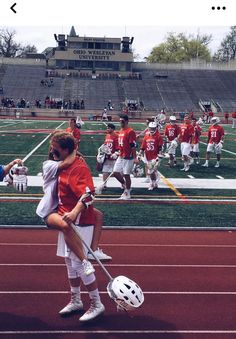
[151, 187]
[100, 255]
[187, 168]
[205, 165]
[182, 169]
[74, 305]
[88, 267]
[125, 196]
[217, 165]
[96, 309]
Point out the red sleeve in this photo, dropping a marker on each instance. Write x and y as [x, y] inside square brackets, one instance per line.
[132, 137]
[116, 144]
[160, 141]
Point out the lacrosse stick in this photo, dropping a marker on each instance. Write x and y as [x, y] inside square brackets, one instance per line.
[98, 189]
[126, 301]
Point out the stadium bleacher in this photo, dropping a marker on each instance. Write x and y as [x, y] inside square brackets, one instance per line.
[178, 90]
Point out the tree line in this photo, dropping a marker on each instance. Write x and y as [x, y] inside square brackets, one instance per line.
[176, 48]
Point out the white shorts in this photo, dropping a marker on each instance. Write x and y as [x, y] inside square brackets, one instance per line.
[169, 149]
[212, 148]
[64, 251]
[185, 148]
[108, 166]
[195, 148]
[124, 166]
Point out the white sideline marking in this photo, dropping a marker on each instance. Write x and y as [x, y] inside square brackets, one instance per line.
[10, 124]
[124, 245]
[225, 150]
[121, 332]
[219, 177]
[124, 265]
[40, 144]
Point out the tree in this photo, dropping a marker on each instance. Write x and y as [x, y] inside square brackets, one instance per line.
[8, 45]
[24, 50]
[227, 49]
[9, 48]
[179, 48]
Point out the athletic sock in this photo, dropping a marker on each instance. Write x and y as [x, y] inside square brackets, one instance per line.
[75, 290]
[207, 162]
[94, 295]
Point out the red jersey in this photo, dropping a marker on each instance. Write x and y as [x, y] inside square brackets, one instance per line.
[72, 183]
[234, 115]
[111, 141]
[196, 135]
[126, 138]
[186, 133]
[171, 131]
[151, 145]
[76, 133]
[215, 133]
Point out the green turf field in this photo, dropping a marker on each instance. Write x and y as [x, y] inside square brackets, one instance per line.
[19, 137]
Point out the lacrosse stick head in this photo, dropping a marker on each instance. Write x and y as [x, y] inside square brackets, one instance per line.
[137, 170]
[126, 293]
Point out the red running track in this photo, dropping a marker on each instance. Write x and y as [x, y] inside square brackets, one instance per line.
[189, 281]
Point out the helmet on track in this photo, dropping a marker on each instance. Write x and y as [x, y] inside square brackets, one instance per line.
[127, 294]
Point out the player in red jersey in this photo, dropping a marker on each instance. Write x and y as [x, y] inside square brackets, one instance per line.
[215, 141]
[151, 147]
[171, 133]
[75, 188]
[185, 137]
[111, 140]
[127, 156]
[195, 141]
[74, 130]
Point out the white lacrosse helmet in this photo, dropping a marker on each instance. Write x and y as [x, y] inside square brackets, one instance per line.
[127, 294]
[215, 120]
[152, 126]
[172, 119]
[104, 149]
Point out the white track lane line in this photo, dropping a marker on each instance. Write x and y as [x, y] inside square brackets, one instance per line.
[124, 245]
[126, 265]
[120, 332]
[40, 144]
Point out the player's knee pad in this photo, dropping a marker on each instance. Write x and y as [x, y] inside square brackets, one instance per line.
[87, 279]
[71, 271]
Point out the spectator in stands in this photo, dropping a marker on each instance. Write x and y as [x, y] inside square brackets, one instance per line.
[82, 105]
[234, 119]
[104, 114]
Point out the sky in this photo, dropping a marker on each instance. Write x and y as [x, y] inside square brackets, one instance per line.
[145, 37]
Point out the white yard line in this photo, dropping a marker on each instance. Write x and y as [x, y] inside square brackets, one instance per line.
[225, 150]
[40, 144]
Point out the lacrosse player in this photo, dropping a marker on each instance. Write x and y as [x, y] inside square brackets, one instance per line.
[74, 129]
[127, 156]
[195, 142]
[111, 141]
[185, 137]
[139, 138]
[215, 141]
[151, 147]
[171, 133]
[74, 205]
